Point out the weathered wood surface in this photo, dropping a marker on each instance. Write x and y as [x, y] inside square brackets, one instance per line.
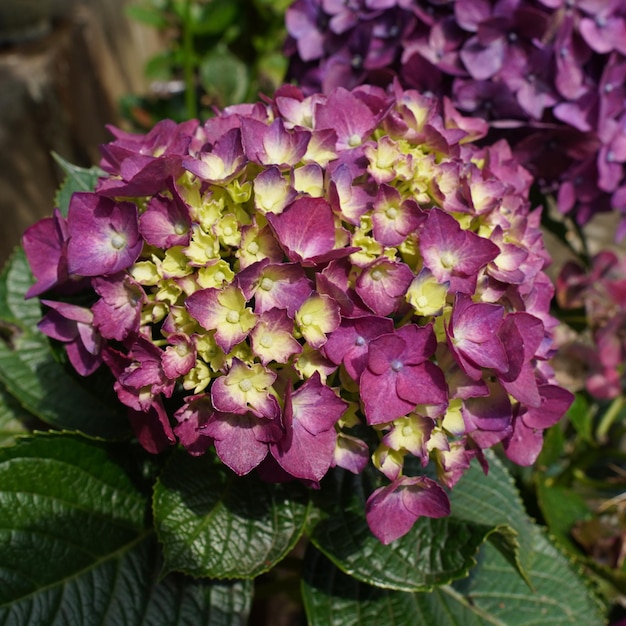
[57, 92]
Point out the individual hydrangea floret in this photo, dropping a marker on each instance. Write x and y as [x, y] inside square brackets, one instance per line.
[548, 75]
[314, 282]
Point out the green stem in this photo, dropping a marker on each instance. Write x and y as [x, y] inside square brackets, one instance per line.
[189, 64]
[608, 418]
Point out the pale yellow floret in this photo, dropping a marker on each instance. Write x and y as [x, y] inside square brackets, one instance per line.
[350, 417]
[407, 434]
[271, 198]
[228, 230]
[410, 252]
[369, 250]
[210, 210]
[437, 440]
[215, 275]
[241, 351]
[210, 352]
[317, 152]
[310, 180]
[440, 323]
[154, 312]
[426, 295]
[182, 320]
[168, 291]
[145, 273]
[198, 378]
[383, 157]
[250, 378]
[388, 461]
[453, 419]
[315, 318]
[239, 192]
[202, 248]
[310, 361]
[174, 264]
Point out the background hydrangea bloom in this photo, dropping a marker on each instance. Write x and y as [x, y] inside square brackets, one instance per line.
[295, 313]
[548, 75]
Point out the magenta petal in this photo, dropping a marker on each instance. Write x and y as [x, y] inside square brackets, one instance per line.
[316, 407]
[383, 351]
[240, 440]
[349, 117]
[422, 384]
[391, 511]
[420, 341]
[555, 401]
[118, 312]
[380, 398]
[351, 454]
[166, 222]
[492, 413]
[305, 229]
[152, 427]
[524, 388]
[273, 144]
[306, 456]
[103, 235]
[43, 245]
[349, 343]
[83, 361]
[383, 284]
[191, 418]
[524, 444]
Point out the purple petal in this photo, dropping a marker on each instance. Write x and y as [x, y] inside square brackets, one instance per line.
[103, 235]
[152, 427]
[349, 343]
[305, 230]
[241, 441]
[555, 401]
[392, 511]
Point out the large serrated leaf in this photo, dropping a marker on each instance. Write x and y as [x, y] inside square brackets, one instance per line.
[434, 552]
[76, 179]
[332, 597]
[32, 374]
[493, 500]
[74, 549]
[213, 523]
[493, 595]
[14, 420]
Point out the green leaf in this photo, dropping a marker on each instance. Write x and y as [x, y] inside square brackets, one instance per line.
[224, 77]
[31, 373]
[581, 418]
[213, 18]
[493, 595]
[332, 597]
[147, 14]
[74, 549]
[213, 523]
[493, 500]
[434, 552]
[559, 595]
[561, 508]
[76, 179]
[14, 420]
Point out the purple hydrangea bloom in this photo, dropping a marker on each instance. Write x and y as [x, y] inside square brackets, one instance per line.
[265, 282]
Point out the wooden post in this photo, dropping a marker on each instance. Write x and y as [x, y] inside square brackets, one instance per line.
[58, 89]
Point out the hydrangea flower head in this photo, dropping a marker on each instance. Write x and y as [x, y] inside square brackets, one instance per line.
[548, 75]
[291, 273]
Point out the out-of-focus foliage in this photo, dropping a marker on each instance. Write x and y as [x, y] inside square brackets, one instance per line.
[215, 53]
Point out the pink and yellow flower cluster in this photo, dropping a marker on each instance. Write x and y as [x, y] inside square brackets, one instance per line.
[310, 282]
